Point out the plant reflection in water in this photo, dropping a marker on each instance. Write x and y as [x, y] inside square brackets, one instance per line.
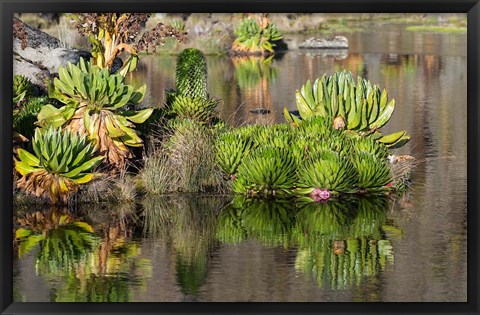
[337, 243]
[95, 255]
[79, 262]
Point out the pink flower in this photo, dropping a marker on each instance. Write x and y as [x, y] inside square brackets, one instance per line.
[324, 194]
[320, 194]
[233, 177]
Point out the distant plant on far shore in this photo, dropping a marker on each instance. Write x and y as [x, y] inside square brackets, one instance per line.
[256, 36]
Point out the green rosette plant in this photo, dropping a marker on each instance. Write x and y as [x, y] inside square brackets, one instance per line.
[253, 37]
[230, 149]
[22, 88]
[198, 109]
[361, 144]
[24, 118]
[360, 106]
[373, 172]
[266, 171]
[97, 105]
[324, 175]
[61, 162]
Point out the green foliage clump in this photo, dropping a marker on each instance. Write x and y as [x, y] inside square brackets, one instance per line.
[191, 74]
[191, 100]
[266, 170]
[62, 160]
[97, 104]
[256, 38]
[22, 88]
[326, 170]
[305, 160]
[356, 106]
[24, 118]
[373, 173]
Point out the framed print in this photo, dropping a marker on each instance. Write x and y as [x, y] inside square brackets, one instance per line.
[239, 157]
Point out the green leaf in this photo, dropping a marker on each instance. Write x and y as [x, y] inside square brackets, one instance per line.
[302, 106]
[385, 115]
[140, 116]
[24, 168]
[28, 158]
[392, 138]
[83, 179]
[21, 233]
[85, 167]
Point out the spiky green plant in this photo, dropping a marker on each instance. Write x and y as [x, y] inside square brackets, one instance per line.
[191, 100]
[230, 149]
[373, 172]
[191, 74]
[25, 117]
[357, 106]
[96, 105]
[61, 162]
[266, 170]
[256, 38]
[279, 135]
[361, 144]
[199, 109]
[328, 171]
[22, 88]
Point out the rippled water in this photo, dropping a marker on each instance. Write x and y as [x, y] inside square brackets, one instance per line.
[209, 249]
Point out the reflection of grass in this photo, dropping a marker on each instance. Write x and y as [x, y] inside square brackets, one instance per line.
[436, 28]
[188, 223]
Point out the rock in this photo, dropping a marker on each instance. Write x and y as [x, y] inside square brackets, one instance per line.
[38, 55]
[260, 111]
[338, 42]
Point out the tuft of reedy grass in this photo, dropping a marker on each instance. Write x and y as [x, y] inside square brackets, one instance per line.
[157, 177]
[401, 172]
[183, 162]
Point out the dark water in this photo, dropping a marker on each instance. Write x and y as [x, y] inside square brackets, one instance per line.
[215, 249]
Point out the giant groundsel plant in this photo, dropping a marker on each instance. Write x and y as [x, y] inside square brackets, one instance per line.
[358, 106]
[97, 104]
[61, 162]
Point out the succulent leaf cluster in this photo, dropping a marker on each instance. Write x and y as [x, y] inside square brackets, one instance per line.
[22, 88]
[266, 170]
[97, 104]
[61, 160]
[254, 37]
[312, 160]
[358, 106]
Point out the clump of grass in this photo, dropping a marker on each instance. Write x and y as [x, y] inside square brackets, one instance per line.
[401, 170]
[157, 177]
[183, 162]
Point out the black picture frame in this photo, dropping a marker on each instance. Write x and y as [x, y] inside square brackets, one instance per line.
[471, 7]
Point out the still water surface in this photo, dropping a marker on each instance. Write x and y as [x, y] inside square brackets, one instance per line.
[193, 248]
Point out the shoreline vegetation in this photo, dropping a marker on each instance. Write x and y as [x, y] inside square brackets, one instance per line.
[89, 138]
[213, 33]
